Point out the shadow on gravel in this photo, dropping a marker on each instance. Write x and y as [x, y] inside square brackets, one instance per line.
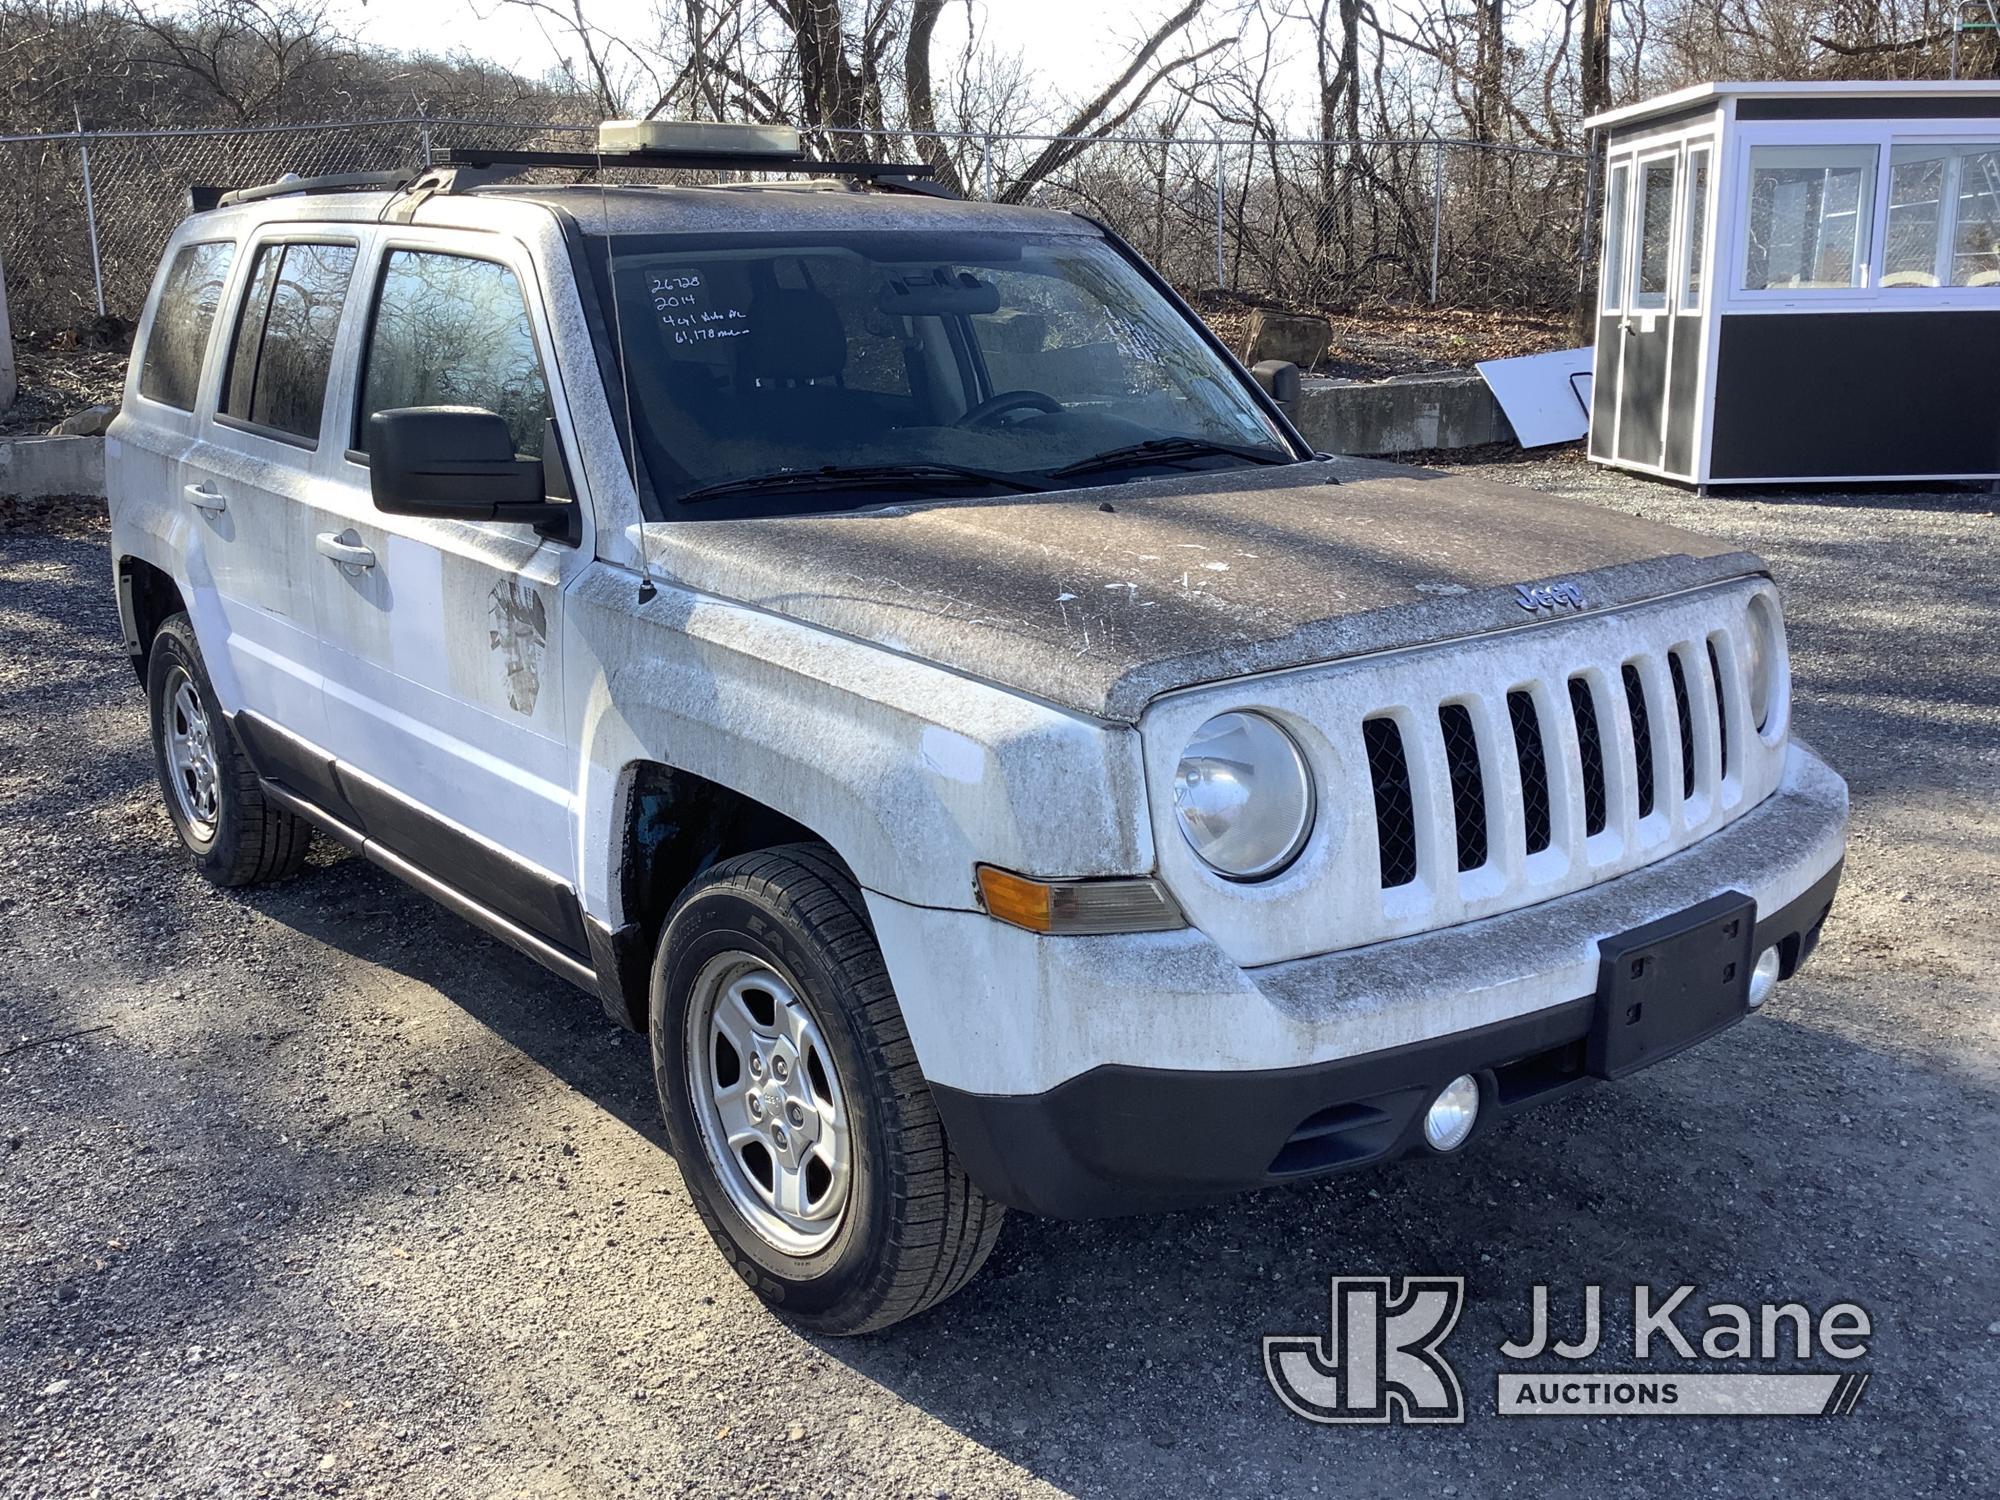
[1970, 499]
[364, 912]
[1117, 1357]
[1112, 1356]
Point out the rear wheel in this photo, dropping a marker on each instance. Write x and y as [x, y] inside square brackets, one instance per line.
[794, 1102]
[217, 805]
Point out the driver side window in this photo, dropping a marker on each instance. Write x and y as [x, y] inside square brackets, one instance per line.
[453, 331]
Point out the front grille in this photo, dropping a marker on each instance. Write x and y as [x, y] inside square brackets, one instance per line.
[1642, 737]
[1721, 712]
[1468, 788]
[1395, 818]
[1533, 755]
[1684, 711]
[1590, 751]
[1489, 773]
[1464, 825]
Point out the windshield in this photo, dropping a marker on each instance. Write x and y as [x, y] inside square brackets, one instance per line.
[764, 371]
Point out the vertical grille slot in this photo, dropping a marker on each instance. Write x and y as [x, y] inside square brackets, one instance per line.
[1395, 818]
[1684, 711]
[1534, 762]
[1590, 746]
[1642, 736]
[1721, 710]
[1468, 787]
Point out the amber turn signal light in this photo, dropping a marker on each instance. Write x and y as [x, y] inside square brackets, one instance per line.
[1076, 907]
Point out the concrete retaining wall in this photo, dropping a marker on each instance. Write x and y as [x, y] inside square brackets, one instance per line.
[1409, 415]
[1373, 419]
[32, 467]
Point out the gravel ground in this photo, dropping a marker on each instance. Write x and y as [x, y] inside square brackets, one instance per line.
[335, 1196]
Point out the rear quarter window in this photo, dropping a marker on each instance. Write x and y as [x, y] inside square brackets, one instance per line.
[283, 349]
[178, 342]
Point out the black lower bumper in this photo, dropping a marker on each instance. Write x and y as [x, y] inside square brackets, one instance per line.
[1121, 1139]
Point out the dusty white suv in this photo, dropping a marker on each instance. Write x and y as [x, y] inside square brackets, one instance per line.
[885, 648]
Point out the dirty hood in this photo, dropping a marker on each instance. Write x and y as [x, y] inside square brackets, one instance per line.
[1099, 600]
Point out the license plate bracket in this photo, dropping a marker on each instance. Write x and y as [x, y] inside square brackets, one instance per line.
[1672, 983]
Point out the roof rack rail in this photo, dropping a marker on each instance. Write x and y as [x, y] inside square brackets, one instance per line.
[336, 182]
[506, 162]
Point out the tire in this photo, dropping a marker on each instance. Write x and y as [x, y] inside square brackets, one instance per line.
[245, 839]
[911, 1228]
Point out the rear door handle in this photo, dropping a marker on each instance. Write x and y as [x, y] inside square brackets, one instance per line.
[201, 497]
[348, 553]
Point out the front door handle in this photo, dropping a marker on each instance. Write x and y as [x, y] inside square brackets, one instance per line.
[201, 497]
[344, 548]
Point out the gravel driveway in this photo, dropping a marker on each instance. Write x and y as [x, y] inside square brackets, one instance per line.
[332, 1195]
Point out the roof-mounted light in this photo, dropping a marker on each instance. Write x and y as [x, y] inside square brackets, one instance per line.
[707, 136]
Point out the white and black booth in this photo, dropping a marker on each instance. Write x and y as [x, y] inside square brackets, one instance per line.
[1801, 282]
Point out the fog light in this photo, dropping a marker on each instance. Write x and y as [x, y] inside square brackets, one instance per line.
[1450, 1118]
[1764, 978]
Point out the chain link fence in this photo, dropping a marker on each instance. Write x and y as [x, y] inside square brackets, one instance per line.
[84, 215]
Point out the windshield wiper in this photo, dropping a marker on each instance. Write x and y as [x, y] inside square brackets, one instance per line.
[1156, 450]
[909, 476]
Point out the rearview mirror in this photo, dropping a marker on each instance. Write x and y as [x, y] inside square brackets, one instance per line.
[1280, 380]
[454, 461]
[967, 297]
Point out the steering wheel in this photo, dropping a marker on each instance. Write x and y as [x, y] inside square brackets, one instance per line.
[996, 406]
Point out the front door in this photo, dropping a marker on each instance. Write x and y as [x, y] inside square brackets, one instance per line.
[441, 640]
[1646, 331]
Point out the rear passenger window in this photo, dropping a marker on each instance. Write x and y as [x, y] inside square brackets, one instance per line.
[179, 338]
[453, 331]
[284, 338]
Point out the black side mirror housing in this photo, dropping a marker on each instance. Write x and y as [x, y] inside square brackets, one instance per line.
[1280, 380]
[455, 461]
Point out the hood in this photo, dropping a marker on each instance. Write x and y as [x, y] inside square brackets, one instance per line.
[1099, 600]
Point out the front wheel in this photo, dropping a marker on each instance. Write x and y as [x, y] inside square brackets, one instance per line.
[794, 1102]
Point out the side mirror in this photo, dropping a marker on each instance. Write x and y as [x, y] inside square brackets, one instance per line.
[453, 461]
[1280, 380]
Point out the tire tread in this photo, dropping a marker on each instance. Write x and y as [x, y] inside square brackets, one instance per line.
[942, 1227]
[258, 841]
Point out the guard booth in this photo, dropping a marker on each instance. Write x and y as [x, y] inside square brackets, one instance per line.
[1801, 282]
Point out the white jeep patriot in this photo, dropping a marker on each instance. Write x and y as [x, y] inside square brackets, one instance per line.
[886, 649]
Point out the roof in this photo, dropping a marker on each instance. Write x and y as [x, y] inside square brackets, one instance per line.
[750, 208]
[735, 208]
[1717, 93]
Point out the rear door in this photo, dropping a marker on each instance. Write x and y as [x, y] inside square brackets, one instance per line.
[147, 462]
[441, 639]
[250, 475]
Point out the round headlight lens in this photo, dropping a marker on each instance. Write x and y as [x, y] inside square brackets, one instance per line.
[1243, 796]
[1765, 660]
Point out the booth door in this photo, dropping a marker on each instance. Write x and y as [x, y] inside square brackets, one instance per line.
[1645, 333]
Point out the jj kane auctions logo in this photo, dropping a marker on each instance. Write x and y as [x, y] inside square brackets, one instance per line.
[1382, 1359]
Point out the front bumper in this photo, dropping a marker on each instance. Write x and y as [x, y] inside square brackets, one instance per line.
[1052, 1058]
[1132, 1140]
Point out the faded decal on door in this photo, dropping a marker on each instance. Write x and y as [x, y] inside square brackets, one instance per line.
[519, 637]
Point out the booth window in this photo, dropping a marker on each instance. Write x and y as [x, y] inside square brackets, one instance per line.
[1696, 220]
[1809, 220]
[1612, 281]
[1944, 217]
[1651, 272]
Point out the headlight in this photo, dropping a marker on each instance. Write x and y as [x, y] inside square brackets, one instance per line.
[1764, 660]
[1243, 796]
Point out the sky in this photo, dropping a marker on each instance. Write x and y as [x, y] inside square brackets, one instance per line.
[1075, 46]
